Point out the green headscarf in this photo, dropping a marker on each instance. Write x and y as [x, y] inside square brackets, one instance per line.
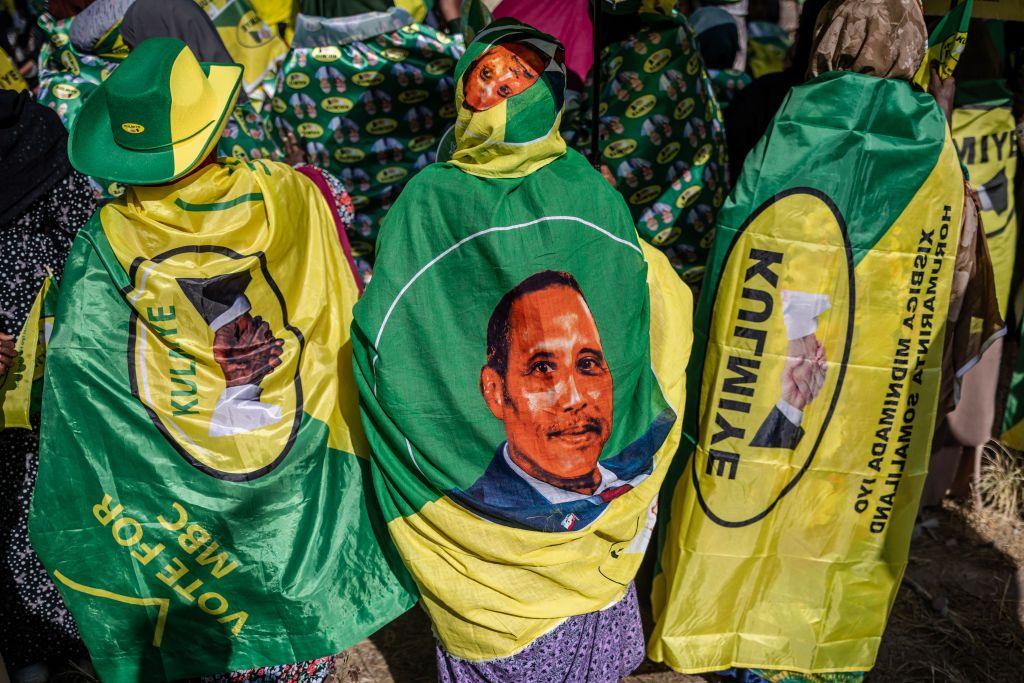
[518, 134]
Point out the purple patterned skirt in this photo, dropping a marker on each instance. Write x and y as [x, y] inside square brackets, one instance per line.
[599, 647]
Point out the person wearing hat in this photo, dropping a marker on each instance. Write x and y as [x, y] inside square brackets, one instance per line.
[153, 126]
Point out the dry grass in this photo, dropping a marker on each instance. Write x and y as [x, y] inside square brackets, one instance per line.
[1000, 482]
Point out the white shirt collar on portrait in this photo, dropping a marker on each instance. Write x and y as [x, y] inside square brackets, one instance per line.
[555, 495]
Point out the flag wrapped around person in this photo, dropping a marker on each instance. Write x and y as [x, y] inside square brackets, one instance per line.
[520, 355]
[815, 384]
[199, 396]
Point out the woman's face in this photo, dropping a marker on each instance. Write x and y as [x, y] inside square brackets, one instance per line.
[499, 73]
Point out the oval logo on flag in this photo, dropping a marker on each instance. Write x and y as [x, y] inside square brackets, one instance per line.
[328, 53]
[779, 344]
[310, 130]
[448, 111]
[349, 155]
[683, 109]
[396, 54]
[296, 80]
[360, 200]
[133, 128]
[368, 78]
[381, 126]
[702, 155]
[421, 142]
[688, 196]
[440, 65]
[657, 61]
[278, 105]
[391, 174]
[614, 65]
[641, 106]
[693, 66]
[620, 148]
[668, 152]
[214, 360]
[644, 195]
[66, 91]
[666, 237]
[336, 105]
[413, 96]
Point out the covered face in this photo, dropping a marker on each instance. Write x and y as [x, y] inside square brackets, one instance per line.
[499, 73]
[547, 379]
[884, 38]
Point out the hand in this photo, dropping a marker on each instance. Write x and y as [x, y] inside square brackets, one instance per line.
[7, 353]
[293, 152]
[246, 350]
[943, 91]
[607, 173]
[804, 374]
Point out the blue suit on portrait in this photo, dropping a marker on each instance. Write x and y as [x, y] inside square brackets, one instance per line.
[502, 495]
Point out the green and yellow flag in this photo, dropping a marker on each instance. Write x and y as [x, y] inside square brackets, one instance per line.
[520, 357]
[202, 501]
[946, 44]
[985, 135]
[21, 388]
[813, 386]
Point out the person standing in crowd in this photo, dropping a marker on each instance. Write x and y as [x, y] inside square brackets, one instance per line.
[756, 105]
[43, 203]
[521, 403]
[660, 134]
[177, 185]
[887, 39]
[718, 38]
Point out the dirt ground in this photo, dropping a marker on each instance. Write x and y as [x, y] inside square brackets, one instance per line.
[958, 616]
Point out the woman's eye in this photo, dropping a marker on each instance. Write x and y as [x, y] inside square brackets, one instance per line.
[504, 90]
[589, 365]
[543, 367]
[486, 73]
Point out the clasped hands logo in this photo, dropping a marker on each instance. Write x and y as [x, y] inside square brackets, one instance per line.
[214, 360]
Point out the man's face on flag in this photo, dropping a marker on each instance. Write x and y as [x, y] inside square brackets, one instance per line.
[499, 73]
[556, 395]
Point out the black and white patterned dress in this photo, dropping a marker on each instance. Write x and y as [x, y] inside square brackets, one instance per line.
[35, 626]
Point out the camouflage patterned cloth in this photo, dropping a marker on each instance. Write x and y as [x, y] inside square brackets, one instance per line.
[848, 38]
[368, 97]
[662, 138]
[68, 76]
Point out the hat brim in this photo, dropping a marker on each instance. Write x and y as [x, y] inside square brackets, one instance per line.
[94, 152]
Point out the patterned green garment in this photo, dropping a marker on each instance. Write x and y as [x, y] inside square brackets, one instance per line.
[68, 76]
[368, 97]
[662, 138]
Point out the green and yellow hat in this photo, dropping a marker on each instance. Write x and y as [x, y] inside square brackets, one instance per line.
[157, 116]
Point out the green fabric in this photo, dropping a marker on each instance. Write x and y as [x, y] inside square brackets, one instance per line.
[662, 138]
[369, 110]
[124, 130]
[67, 77]
[293, 535]
[727, 83]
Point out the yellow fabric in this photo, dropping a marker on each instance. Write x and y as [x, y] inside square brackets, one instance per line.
[195, 100]
[249, 41]
[275, 12]
[247, 215]
[500, 608]
[417, 8]
[987, 141]
[10, 77]
[27, 366]
[808, 587]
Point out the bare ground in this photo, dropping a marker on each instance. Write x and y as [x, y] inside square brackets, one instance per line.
[957, 617]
